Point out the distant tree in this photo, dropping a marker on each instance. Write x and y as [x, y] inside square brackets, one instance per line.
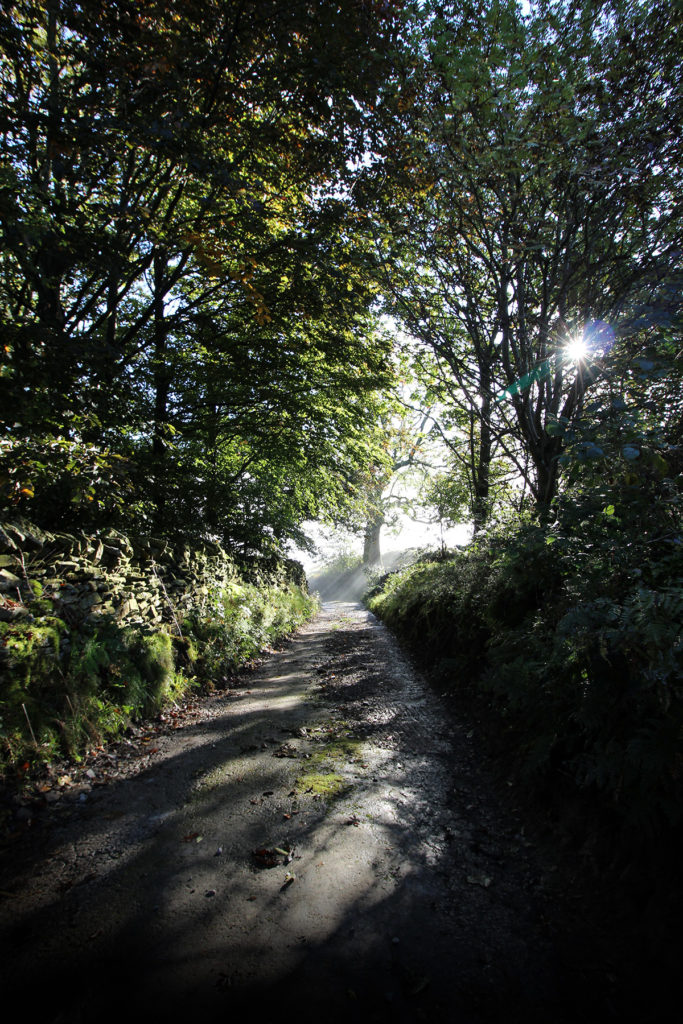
[409, 451]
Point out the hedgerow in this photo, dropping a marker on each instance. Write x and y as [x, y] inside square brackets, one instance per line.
[568, 637]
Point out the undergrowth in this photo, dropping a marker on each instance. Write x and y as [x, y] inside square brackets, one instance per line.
[63, 691]
[567, 639]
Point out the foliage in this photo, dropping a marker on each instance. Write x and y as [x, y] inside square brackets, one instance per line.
[570, 635]
[64, 691]
[531, 203]
[188, 344]
[237, 622]
[343, 561]
[393, 483]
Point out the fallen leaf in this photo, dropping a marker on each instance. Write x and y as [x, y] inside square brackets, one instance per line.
[265, 858]
[286, 750]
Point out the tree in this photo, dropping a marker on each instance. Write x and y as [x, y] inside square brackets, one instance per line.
[407, 443]
[535, 200]
[179, 264]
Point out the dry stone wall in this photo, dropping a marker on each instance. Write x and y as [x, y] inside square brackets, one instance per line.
[98, 631]
[80, 578]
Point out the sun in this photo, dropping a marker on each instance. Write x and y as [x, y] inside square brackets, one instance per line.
[576, 349]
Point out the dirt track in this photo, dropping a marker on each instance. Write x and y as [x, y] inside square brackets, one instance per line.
[319, 843]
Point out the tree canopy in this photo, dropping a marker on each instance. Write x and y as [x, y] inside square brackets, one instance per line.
[534, 203]
[189, 341]
[205, 209]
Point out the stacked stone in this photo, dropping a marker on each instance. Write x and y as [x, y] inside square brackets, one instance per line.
[138, 582]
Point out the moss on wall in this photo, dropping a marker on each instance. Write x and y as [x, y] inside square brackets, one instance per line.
[98, 631]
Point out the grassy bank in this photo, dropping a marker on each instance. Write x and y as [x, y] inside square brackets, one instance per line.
[566, 640]
[65, 689]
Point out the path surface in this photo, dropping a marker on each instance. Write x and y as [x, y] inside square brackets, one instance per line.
[401, 887]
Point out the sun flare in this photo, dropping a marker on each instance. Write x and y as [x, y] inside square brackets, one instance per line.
[576, 349]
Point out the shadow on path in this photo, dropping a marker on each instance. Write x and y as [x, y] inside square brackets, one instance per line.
[408, 895]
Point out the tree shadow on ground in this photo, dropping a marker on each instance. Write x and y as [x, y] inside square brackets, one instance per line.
[380, 923]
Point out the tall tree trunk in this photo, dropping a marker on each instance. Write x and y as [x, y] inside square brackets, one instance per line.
[481, 476]
[547, 473]
[372, 552]
[162, 382]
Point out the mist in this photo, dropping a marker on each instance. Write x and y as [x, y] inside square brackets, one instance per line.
[335, 582]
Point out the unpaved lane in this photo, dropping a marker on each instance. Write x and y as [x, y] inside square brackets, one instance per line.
[400, 890]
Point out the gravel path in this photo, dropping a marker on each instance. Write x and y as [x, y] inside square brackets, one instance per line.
[318, 843]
